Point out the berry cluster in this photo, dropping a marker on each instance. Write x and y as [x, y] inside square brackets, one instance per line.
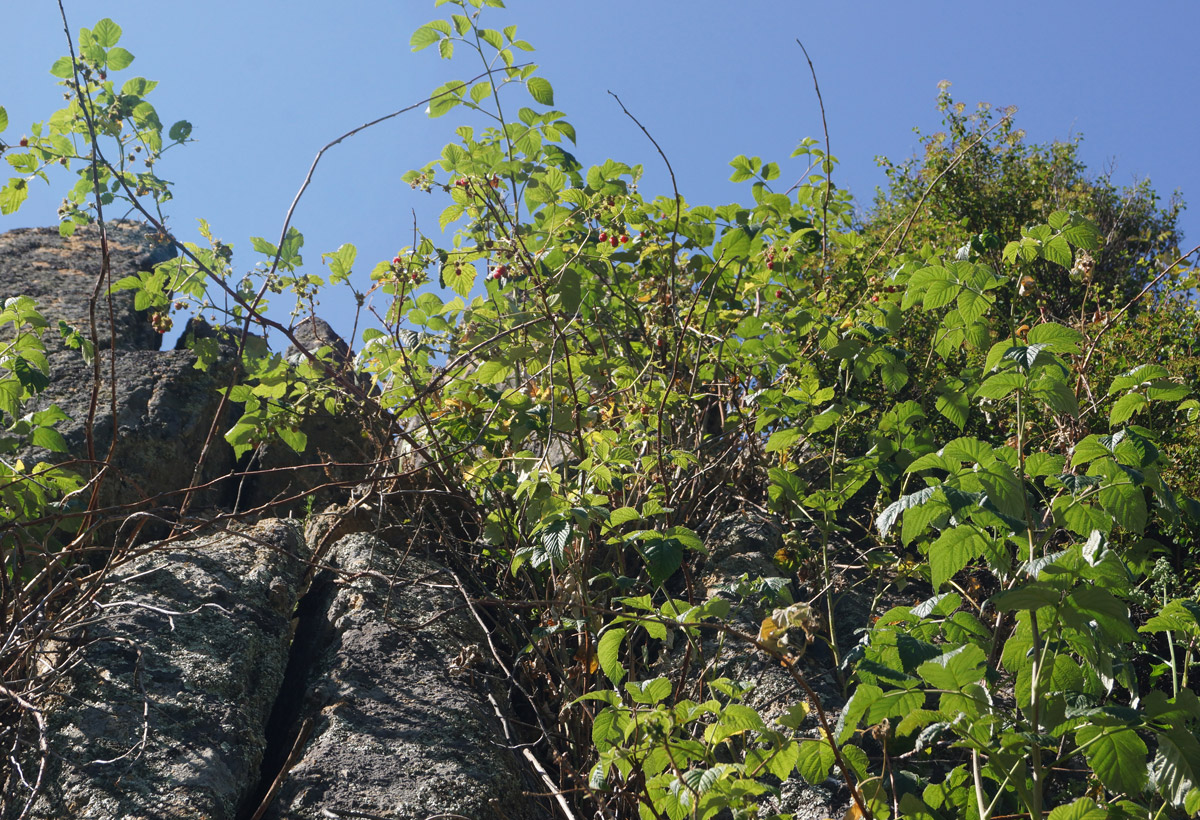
[613, 238]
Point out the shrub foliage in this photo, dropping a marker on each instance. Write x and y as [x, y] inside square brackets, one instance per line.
[980, 393]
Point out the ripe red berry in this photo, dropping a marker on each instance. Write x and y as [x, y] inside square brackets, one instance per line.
[778, 294]
[770, 265]
[24, 142]
[501, 271]
[614, 241]
[624, 239]
[396, 261]
[875, 298]
[603, 236]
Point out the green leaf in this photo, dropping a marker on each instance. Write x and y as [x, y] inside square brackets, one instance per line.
[608, 652]
[1138, 376]
[119, 59]
[1055, 338]
[63, 68]
[783, 439]
[541, 90]
[649, 691]
[1125, 407]
[663, 557]
[1033, 595]
[296, 439]
[954, 550]
[180, 131]
[1117, 756]
[1176, 768]
[49, 438]
[972, 305]
[1082, 809]
[955, 669]
[12, 195]
[459, 278]
[492, 372]
[106, 33]
[953, 405]
[1127, 504]
[778, 761]
[1000, 385]
[1057, 250]
[424, 37]
[888, 517]
[815, 760]
[3, 119]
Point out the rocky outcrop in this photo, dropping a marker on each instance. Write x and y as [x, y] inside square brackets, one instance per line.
[165, 711]
[245, 671]
[151, 412]
[62, 274]
[402, 695]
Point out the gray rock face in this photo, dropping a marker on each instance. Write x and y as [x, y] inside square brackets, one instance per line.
[165, 411]
[165, 713]
[315, 333]
[61, 274]
[403, 726]
[212, 681]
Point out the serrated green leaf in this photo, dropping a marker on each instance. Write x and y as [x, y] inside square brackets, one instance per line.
[119, 59]
[608, 652]
[814, 760]
[1033, 595]
[999, 385]
[3, 119]
[955, 669]
[952, 551]
[1127, 504]
[424, 37]
[541, 90]
[1175, 770]
[888, 517]
[1125, 407]
[1117, 756]
[12, 195]
[459, 278]
[783, 439]
[106, 33]
[1055, 338]
[49, 438]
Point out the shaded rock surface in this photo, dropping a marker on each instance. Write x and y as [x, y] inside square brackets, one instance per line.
[165, 408]
[164, 713]
[401, 721]
[62, 273]
[745, 544]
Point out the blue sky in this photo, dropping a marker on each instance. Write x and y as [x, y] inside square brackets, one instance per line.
[266, 84]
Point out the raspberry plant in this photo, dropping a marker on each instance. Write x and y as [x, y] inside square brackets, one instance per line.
[597, 376]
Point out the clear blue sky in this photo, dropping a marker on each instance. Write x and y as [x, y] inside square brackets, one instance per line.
[266, 84]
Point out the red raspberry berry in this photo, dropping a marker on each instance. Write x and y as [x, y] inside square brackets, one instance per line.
[770, 265]
[603, 236]
[624, 239]
[24, 142]
[778, 294]
[614, 241]
[396, 261]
